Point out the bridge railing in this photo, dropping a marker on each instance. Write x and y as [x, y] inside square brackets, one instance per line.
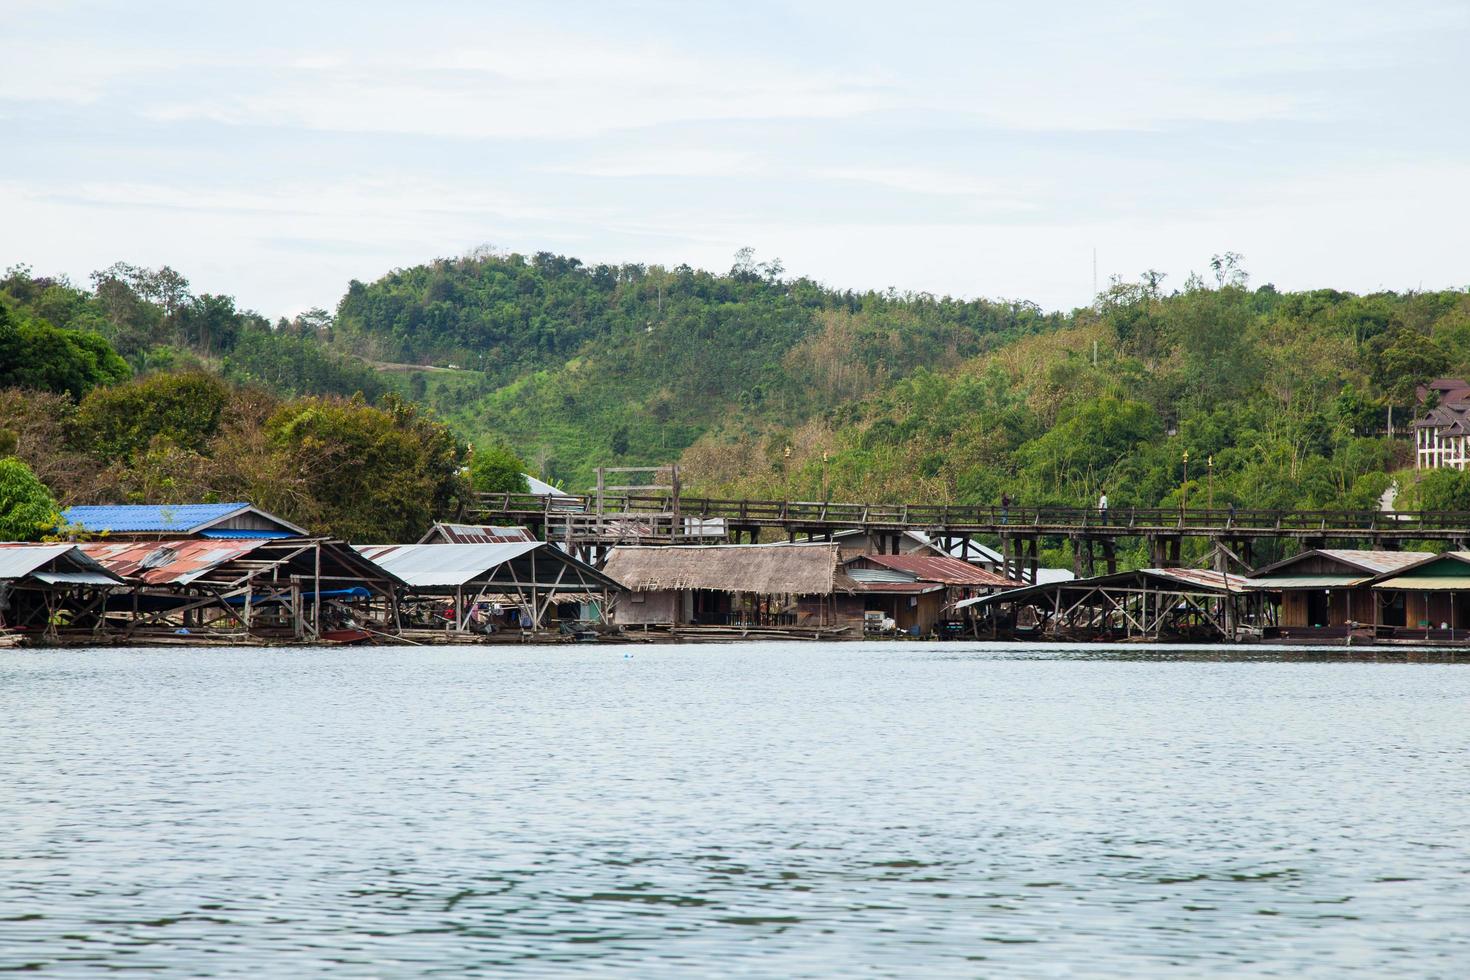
[816, 513]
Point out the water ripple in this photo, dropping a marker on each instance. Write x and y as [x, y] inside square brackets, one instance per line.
[887, 809]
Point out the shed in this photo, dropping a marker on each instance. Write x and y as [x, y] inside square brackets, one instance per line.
[768, 584]
[532, 575]
[297, 587]
[42, 585]
[1146, 602]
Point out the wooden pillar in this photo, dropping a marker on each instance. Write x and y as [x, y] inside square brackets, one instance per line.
[316, 599]
[1228, 609]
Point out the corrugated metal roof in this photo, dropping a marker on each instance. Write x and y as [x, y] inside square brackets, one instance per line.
[1201, 577]
[1193, 580]
[444, 565]
[895, 588]
[1373, 562]
[77, 578]
[20, 560]
[1269, 582]
[978, 552]
[70, 564]
[475, 534]
[1378, 561]
[542, 488]
[241, 533]
[159, 518]
[878, 575]
[170, 562]
[1426, 583]
[942, 568]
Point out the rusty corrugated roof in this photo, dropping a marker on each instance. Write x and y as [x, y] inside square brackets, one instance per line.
[170, 562]
[942, 568]
[1204, 577]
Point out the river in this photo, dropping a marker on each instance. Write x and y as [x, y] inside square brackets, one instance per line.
[895, 809]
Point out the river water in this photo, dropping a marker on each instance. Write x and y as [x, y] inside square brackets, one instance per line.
[754, 810]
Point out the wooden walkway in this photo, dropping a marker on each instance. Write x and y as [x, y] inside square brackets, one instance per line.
[665, 519]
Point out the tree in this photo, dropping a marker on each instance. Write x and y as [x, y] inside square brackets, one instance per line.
[120, 422]
[497, 469]
[35, 354]
[370, 474]
[1445, 490]
[1407, 359]
[619, 442]
[27, 509]
[210, 323]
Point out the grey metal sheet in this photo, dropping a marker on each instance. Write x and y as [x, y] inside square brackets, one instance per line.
[444, 565]
[18, 561]
[75, 578]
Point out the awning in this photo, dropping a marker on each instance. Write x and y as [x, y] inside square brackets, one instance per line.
[1272, 582]
[1427, 583]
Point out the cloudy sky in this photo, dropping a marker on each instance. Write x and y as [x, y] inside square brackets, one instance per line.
[277, 150]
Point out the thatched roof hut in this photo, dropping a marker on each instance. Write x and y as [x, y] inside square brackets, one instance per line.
[763, 569]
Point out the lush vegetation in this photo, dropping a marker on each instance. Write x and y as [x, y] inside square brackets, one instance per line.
[27, 509]
[582, 366]
[1278, 400]
[57, 336]
[37, 354]
[758, 383]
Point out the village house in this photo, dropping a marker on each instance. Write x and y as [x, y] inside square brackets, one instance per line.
[1441, 430]
[797, 584]
[783, 584]
[915, 592]
[1427, 600]
[1328, 593]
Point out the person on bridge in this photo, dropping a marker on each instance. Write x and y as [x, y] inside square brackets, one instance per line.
[1102, 503]
[1005, 508]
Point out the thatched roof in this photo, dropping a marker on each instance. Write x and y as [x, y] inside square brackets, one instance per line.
[765, 569]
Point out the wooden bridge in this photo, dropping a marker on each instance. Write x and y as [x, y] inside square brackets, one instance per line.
[592, 523]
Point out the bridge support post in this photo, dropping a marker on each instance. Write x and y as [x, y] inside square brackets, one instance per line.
[1083, 559]
[1227, 601]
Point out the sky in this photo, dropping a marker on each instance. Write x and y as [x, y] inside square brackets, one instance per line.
[276, 151]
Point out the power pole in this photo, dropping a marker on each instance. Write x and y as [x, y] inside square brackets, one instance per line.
[1094, 277]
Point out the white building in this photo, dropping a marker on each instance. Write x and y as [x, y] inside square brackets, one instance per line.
[1440, 433]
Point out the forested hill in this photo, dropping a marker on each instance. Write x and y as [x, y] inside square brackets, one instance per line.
[1278, 400]
[579, 366]
[758, 383]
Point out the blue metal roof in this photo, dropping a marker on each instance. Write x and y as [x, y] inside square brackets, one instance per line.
[124, 518]
[235, 534]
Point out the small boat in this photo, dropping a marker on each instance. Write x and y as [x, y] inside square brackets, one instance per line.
[345, 636]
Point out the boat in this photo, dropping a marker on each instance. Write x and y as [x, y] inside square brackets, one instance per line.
[343, 636]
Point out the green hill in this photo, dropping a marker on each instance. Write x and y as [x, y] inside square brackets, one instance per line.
[766, 385]
[579, 366]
